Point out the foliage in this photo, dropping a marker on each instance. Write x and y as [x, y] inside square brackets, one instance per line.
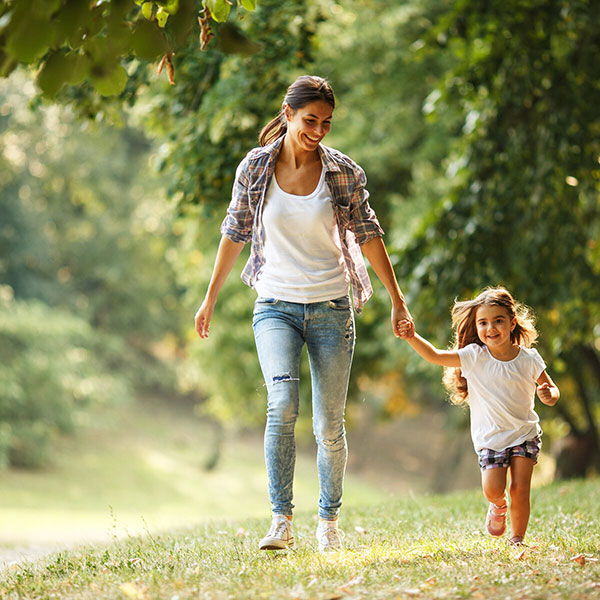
[77, 41]
[53, 366]
[83, 254]
[523, 209]
[426, 547]
[74, 237]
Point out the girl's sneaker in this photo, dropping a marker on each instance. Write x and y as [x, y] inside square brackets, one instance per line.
[329, 536]
[280, 535]
[495, 521]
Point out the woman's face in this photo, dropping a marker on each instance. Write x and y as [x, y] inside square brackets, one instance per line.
[308, 125]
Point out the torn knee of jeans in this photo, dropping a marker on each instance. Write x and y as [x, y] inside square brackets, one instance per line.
[329, 443]
[283, 377]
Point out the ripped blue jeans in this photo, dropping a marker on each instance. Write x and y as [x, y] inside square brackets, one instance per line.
[280, 330]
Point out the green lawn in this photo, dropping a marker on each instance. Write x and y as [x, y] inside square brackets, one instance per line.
[143, 468]
[424, 547]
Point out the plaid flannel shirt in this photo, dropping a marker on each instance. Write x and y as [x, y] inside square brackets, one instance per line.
[356, 220]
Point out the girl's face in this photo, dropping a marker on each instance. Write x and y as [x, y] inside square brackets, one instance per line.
[308, 125]
[494, 326]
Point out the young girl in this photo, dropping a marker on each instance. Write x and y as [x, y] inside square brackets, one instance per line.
[493, 367]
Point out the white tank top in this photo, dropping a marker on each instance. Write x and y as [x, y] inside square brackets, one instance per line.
[303, 255]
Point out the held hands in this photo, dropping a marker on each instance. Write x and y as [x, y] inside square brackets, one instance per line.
[405, 329]
[402, 323]
[203, 317]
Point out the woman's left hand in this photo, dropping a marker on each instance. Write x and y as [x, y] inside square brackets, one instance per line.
[400, 319]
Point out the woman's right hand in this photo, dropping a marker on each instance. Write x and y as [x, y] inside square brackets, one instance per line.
[203, 317]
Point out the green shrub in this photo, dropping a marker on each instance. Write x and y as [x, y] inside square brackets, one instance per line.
[53, 366]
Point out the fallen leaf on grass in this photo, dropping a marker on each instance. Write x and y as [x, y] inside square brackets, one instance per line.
[521, 555]
[583, 558]
[431, 581]
[360, 530]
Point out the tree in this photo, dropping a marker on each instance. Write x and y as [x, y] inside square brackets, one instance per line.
[85, 292]
[524, 206]
[77, 41]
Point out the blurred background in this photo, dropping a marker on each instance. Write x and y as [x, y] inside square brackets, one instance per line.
[478, 128]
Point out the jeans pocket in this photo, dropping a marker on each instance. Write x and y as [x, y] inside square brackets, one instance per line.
[341, 303]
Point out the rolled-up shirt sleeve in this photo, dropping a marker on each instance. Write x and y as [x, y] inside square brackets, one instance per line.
[237, 224]
[363, 220]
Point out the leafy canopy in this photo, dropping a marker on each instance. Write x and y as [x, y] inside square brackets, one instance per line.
[73, 41]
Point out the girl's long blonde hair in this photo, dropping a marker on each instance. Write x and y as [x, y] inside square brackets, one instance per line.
[464, 313]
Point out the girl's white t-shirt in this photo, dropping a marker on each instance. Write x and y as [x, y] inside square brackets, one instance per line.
[302, 249]
[501, 396]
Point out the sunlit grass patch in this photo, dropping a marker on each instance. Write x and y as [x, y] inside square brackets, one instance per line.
[428, 547]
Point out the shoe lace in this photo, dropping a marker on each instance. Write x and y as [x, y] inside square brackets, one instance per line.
[331, 536]
[278, 528]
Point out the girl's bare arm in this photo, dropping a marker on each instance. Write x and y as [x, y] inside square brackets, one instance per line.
[547, 390]
[445, 358]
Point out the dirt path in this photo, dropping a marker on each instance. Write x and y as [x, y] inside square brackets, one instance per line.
[19, 554]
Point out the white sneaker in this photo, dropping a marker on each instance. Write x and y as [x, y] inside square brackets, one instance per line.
[280, 535]
[329, 536]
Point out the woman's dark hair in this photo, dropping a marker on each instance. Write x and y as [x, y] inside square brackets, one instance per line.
[306, 89]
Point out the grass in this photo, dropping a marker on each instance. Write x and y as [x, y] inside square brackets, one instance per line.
[142, 467]
[424, 547]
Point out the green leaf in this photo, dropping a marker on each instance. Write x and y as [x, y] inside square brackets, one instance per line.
[147, 9]
[55, 72]
[219, 10]
[110, 83]
[30, 40]
[147, 41]
[161, 16]
[171, 6]
[80, 65]
[249, 4]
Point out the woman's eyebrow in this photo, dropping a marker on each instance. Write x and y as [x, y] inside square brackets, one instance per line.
[316, 117]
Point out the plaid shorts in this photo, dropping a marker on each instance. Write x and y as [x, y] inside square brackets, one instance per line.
[489, 459]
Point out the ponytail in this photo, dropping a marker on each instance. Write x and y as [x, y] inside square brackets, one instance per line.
[273, 130]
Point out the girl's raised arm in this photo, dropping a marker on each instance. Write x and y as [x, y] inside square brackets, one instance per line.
[445, 358]
[547, 390]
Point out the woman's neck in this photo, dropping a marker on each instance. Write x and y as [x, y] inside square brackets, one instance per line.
[295, 157]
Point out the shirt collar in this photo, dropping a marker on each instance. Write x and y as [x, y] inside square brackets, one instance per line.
[325, 154]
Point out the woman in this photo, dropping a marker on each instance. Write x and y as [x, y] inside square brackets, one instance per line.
[305, 208]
